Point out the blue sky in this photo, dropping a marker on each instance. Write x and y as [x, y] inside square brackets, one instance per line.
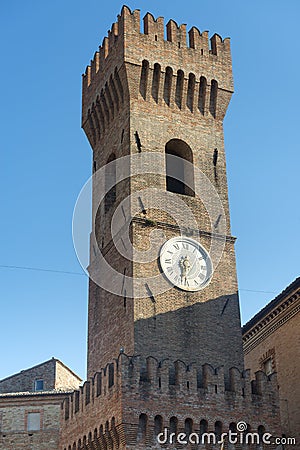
[46, 159]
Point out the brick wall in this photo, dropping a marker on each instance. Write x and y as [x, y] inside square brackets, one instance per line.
[14, 434]
[65, 378]
[126, 90]
[25, 380]
[54, 373]
[282, 346]
[114, 109]
[106, 413]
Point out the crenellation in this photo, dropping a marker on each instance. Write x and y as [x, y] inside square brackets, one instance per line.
[236, 380]
[180, 375]
[136, 373]
[121, 51]
[95, 64]
[136, 377]
[113, 34]
[213, 379]
[154, 27]
[199, 41]
[103, 52]
[87, 76]
[176, 34]
[152, 369]
[129, 20]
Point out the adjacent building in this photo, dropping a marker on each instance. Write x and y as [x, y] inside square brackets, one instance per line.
[30, 406]
[272, 344]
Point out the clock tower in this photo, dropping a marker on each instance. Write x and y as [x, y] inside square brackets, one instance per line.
[160, 103]
[164, 332]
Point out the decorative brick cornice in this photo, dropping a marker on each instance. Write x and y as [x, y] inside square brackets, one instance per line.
[273, 316]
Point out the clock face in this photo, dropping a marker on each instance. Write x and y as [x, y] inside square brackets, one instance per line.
[185, 263]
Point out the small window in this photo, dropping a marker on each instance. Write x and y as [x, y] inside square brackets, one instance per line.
[39, 385]
[268, 366]
[33, 421]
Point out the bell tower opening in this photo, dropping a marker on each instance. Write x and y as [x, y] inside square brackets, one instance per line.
[179, 172]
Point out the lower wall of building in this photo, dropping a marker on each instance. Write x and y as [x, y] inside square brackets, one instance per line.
[282, 346]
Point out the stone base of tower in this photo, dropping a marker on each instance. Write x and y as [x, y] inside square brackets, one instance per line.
[130, 402]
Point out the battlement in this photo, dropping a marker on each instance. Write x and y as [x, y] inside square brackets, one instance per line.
[170, 47]
[134, 374]
[173, 36]
[132, 392]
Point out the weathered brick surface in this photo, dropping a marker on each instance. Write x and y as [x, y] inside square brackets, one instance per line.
[53, 372]
[14, 434]
[111, 414]
[276, 335]
[110, 118]
[162, 90]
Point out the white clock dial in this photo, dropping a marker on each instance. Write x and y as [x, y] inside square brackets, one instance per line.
[185, 263]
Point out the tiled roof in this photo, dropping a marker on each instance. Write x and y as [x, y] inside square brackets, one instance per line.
[36, 394]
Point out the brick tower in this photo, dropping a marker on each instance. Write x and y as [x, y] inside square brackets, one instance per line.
[173, 358]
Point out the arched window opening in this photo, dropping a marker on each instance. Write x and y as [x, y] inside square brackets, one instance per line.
[191, 91]
[110, 183]
[179, 88]
[260, 431]
[105, 107]
[232, 427]
[98, 384]
[158, 426]
[202, 95]
[110, 100]
[168, 85]
[173, 425]
[119, 84]
[114, 91]
[144, 79]
[218, 430]
[203, 426]
[188, 427]
[213, 98]
[172, 376]
[114, 433]
[111, 371]
[156, 81]
[142, 428]
[179, 168]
